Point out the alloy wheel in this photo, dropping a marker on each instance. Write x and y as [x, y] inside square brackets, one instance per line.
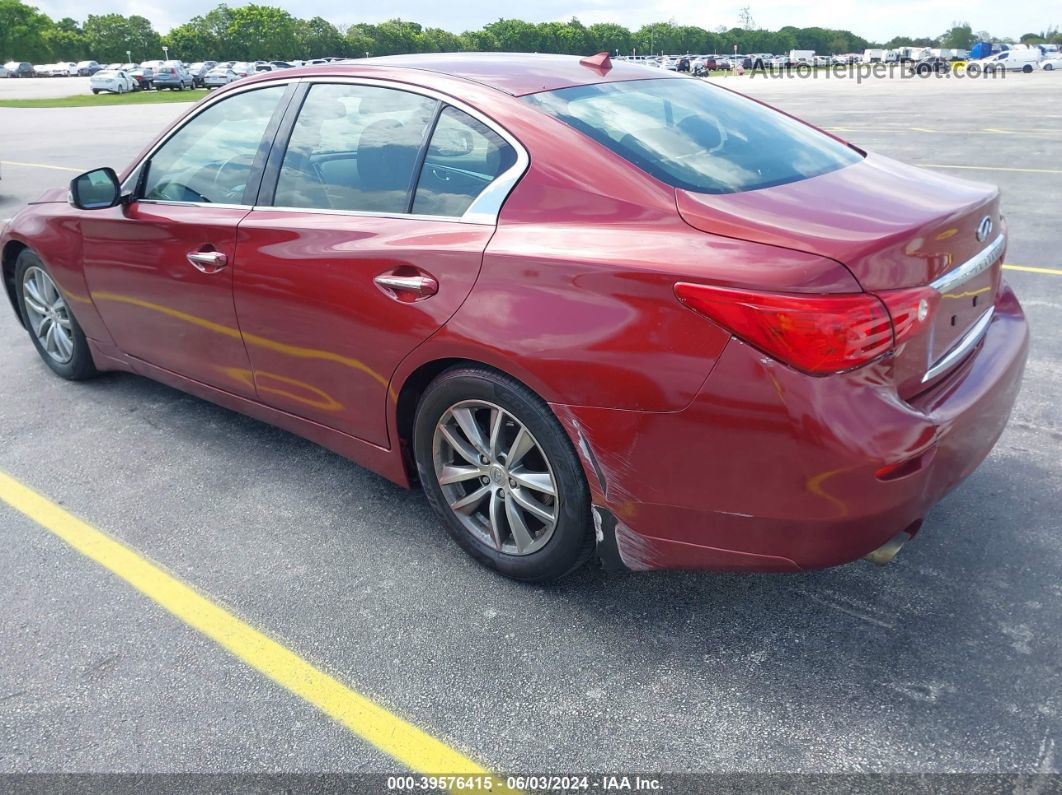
[48, 315]
[495, 477]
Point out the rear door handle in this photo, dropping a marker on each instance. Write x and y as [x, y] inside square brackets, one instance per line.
[208, 261]
[407, 288]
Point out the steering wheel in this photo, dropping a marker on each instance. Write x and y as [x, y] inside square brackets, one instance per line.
[233, 191]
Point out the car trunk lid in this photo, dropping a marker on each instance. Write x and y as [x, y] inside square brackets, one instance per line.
[893, 226]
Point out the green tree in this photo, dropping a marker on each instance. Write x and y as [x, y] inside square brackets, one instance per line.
[318, 37]
[256, 31]
[193, 41]
[959, 37]
[361, 39]
[439, 40]
[109, 36]
[23, 32]
[514, 35]
[609, 37]
[67, 41]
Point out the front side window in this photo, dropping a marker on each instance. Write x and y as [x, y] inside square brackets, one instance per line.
[355, 147]
[463, 158]
[695, 136]
[209, 159]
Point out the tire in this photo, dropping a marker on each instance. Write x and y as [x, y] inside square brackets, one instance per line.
[80, 365]
[95, 91]
[121, 89]
[552, 552]
[1048, 67]
[1027, 68]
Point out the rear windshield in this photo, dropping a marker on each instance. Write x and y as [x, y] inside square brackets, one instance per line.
[695, 136]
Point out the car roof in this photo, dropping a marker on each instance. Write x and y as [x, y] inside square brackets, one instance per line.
[514, 73]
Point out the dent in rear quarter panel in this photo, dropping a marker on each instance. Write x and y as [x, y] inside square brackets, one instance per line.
[53, 231]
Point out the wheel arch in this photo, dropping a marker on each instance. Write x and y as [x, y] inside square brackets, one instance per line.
[407, 398]
[9, 258]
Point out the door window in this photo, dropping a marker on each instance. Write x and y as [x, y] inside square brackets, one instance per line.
[464, 157]
[209, 159]
[354, 147]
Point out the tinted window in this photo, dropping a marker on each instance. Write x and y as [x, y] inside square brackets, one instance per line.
[209, 159]
[695, 136]
[463, 158]
[354, 148]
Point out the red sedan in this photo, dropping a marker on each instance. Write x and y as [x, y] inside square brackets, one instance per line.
[588, 306]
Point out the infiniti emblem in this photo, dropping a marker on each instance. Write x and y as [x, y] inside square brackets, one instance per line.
[984, 229]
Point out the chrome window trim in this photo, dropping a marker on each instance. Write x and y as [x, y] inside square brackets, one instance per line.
[215, 205]
[207, 102]
[453, 219]
[966, 343]
[978, 263]
[485, 208]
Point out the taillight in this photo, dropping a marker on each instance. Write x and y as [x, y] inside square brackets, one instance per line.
[818, 334]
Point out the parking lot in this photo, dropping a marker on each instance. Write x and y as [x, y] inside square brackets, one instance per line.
[950, 659]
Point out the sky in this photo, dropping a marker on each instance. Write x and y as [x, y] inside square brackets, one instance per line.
[877, 21]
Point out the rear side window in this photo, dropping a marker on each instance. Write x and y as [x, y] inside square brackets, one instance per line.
[463, 158]
[355, 147]
[695, 136]
[209, 159]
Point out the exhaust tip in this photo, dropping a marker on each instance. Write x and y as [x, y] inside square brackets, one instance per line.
[883, 555]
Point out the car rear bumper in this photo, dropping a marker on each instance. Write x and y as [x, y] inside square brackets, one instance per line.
[772, 470]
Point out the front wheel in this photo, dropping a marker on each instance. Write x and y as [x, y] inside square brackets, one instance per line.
[502, 474]
[1027, 68]
[52, 327]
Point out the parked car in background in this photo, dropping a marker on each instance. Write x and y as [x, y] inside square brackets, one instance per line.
[116, 81]
[144, 76]
[88, 68]
[19, 68]
[1052, 63]
[934, 64]
[1025, 59]
[68, 69]
[219, 76]
[243, 68]
[200, 69]
[174, 76]
[4, 72]
[282, 65]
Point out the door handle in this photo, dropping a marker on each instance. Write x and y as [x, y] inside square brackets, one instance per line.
[208, 261]
[407, 288]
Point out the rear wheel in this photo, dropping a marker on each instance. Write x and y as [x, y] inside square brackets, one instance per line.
[501, 473]
[55, 332]
[1027, 68]
[95, 91]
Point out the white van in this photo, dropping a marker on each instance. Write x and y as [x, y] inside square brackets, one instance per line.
[1023, 60]
[873, 56]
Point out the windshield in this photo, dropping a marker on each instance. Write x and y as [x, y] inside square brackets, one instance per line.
[695, 136]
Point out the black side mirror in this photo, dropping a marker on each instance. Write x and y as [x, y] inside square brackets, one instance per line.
[96, 190]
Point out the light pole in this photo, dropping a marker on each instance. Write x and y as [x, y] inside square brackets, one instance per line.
[128, 56]
[166, 52]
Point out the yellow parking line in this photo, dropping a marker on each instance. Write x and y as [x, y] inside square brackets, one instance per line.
[40, 165]
[1031, 269]
[992, 168]
[409, 745]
